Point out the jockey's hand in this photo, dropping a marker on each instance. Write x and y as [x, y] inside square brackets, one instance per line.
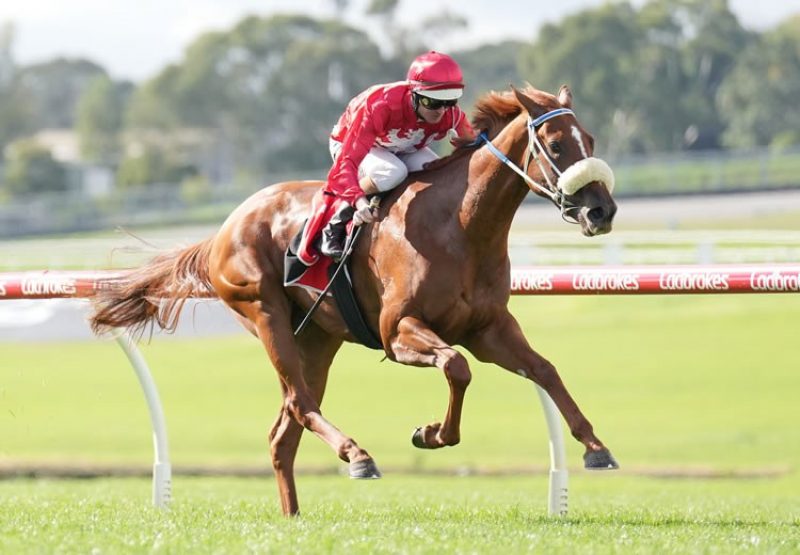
[364, 213]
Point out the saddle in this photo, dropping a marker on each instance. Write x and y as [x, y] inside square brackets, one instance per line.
[316, 278]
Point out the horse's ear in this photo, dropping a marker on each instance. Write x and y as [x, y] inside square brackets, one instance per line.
[565, 96]
[528, 103]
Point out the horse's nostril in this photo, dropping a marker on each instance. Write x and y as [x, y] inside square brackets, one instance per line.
[596, 214]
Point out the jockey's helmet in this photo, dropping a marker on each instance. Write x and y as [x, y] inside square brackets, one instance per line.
[437, 76]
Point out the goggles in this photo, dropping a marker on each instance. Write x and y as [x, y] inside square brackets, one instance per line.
[435, 104]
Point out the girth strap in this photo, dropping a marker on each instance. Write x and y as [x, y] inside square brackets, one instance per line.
[342, 290]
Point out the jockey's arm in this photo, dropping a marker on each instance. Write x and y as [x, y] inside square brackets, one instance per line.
[343, 178]
[462, 128]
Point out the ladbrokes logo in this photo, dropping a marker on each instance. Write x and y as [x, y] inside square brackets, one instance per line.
[690, 281]
[43, 286]
[534, 282]
[605, 281]
[774, 281]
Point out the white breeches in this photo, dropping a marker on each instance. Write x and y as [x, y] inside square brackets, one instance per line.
[386, 169]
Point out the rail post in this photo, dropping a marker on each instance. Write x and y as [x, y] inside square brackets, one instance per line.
[162, 470]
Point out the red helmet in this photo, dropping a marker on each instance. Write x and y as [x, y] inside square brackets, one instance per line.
[436, 75]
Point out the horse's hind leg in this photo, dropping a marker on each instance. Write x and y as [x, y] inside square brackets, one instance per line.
[284, 439]
[317, 350]
[417, 345]
[272, 323]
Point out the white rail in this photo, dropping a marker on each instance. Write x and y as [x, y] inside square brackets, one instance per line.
[162, 470]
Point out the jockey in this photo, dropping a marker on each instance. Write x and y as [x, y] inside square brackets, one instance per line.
[383, 135]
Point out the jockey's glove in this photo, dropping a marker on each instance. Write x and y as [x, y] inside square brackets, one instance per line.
[364, 212]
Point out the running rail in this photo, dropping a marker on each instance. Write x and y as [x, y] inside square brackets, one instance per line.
[661, 280]
[526, 280]
[540, 280]
[81, 285]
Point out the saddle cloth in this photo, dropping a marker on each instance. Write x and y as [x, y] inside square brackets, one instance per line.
[316, 277]
[295, 272]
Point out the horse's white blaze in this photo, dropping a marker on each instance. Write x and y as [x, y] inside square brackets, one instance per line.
[579, 137]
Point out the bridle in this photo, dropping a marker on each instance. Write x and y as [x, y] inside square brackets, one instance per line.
[537, 152]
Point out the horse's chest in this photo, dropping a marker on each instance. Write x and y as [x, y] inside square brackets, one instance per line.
[453, 302]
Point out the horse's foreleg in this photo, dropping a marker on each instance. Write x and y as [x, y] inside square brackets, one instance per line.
[417, 345]
[504, 344]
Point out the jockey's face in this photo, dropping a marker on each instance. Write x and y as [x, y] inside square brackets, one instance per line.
[431, 110]
[430, 115]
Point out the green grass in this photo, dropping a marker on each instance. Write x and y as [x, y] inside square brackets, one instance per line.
[687, 381]
[617, 514]
[687, 385]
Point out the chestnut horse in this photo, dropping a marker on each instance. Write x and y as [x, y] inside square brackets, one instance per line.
[432, 272]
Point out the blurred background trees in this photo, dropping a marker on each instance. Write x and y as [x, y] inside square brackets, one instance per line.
[257, 101]
[31, 169]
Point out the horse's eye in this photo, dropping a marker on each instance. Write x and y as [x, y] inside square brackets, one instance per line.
[555, 148]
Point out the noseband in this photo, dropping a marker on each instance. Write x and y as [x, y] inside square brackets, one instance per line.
[568, 182]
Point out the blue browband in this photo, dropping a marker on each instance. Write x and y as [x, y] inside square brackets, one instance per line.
[534, 123]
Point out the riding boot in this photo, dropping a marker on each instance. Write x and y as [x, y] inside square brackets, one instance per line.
[334, 234]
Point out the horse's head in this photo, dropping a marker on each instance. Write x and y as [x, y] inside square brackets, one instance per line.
[565, 170]
[568, 173]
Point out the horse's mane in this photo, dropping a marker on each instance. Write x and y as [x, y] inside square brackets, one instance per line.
[493, 111]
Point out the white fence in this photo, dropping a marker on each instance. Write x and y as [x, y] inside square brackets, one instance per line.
[528, 248]
[538, 248]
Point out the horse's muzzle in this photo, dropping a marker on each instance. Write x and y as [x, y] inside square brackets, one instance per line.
[597, 219]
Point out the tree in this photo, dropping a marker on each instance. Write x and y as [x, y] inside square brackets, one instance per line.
[691, 46]
[400, 42]
[7, 66]
[54, 88]
[14, 107]
[393, 39]
[489, 67]
[99, 118]
[595, 53]
[274, 86]
[438, 27]
[149, 166]
[758, 99]
[644, 80]
[32, 169]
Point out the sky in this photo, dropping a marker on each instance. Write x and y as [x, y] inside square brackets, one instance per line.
[136, 39]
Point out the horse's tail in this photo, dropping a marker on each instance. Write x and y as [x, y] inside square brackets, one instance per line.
[155, 292]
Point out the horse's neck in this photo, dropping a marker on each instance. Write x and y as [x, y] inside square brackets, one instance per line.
[494, 192]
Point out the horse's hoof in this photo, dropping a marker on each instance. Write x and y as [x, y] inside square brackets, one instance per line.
[364, 470]
[600, 460]
[418, 441]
